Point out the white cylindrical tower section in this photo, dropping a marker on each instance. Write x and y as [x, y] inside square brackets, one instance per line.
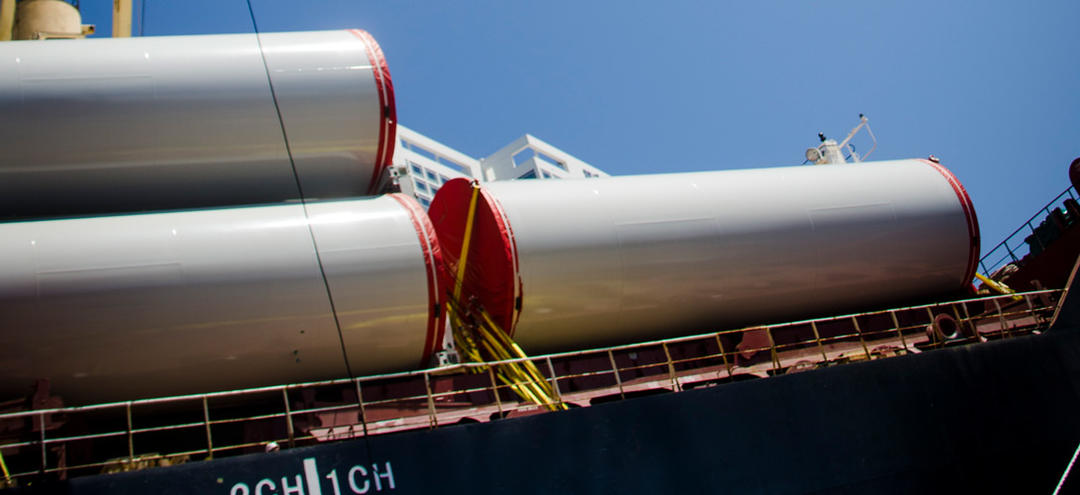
[126, 124]
[575, 263]
[114, 308]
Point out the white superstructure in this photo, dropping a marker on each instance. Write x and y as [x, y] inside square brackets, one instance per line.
[422, 165]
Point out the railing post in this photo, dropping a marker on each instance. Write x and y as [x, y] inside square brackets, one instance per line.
[130, 433]
[671, 370]
[933, 339]
[41, 438]
[1043, 296]
[967, 313]
[723, 354]
[432, 420]
[495, 390]
[896, 325]
[288, 418]
[206, 421]
[960, 321]
[360, 403]
[1001, 318]
[774, 355]
[615, 371]
[858, 330]
[821, 347]
[554, 381]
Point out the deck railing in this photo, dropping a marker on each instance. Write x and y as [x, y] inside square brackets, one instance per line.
[1015, 247]
[161, 431]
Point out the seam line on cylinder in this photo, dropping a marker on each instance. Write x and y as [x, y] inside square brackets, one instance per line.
[300, 191]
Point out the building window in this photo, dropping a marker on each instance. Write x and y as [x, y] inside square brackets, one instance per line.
[455, 165]
[424, 201]
[549, 159]
[528, 152]
[421, 186]
[431, 175]
[528, 175]
[420, 150]
[417, 171]
[522, 156]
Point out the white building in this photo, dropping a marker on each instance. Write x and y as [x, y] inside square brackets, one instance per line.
[530, 158]
[422, 164]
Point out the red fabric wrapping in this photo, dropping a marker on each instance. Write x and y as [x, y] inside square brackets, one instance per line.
[436, 281]
[972, 221]
[491, 267]
[384, 154]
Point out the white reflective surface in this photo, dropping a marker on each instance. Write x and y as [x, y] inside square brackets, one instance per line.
[623, 258]
[124, 124]
[141, 305]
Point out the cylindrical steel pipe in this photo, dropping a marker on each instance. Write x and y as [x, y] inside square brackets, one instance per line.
[171, 122]
[574, 263]
[156, 304]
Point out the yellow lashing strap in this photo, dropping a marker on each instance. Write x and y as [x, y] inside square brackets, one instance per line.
[527, 382]
[464, 342]
[466, 241]
[999, 287]
[522, 377]
[490, 343]
[3, 465]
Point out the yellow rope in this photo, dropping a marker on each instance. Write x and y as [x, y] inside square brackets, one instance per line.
[3, 465]
[1000, 287]
[522, 377]
[490, 343]
[466, 241]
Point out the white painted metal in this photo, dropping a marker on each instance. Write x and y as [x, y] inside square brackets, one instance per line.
[831, 153]
[106, 125]
[144, 305]
[623, 258]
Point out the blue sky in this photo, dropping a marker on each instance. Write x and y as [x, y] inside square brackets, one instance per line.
[992, 88]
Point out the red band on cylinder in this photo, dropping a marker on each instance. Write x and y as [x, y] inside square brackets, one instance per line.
[491, 273]
[429, 246]
[969, 214]
[384, 153]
